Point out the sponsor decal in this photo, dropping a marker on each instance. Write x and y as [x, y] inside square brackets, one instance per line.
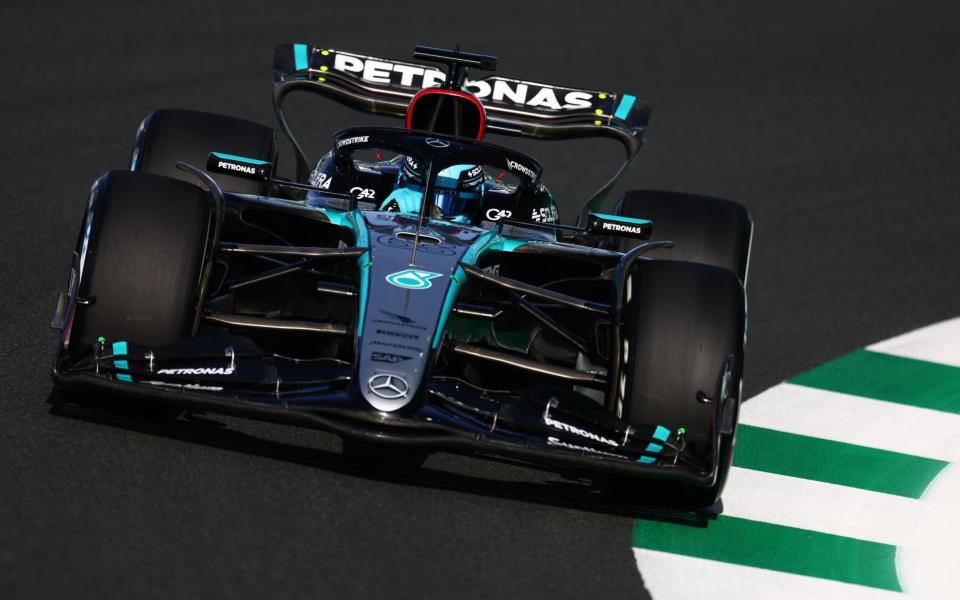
[496, 89]
[402, 320]
[388, 358]
[578, 432]
[412, 279]
[319, 179]
[387, 386]
[222, 164]
[552, 441]
[409, 336]
[495, 214]
[362, 193]
[519, 168]
[437, 143]
[187, 386]
[358, 139]
[546, 214]
[396, 346]
[198, 371]
[608, 226]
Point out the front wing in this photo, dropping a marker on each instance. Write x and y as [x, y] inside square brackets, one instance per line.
[548, 427]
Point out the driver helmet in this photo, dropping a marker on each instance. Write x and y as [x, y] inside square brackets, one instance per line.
[457, 193]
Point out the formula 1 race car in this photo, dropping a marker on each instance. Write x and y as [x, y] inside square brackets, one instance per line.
[414, 290]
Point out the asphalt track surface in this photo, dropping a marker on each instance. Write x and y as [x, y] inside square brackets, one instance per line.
[836, 123]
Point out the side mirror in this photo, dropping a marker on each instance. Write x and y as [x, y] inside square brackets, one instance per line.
[600, 224]
[239, 166]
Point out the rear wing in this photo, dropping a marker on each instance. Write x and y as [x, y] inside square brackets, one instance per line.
[513, 107]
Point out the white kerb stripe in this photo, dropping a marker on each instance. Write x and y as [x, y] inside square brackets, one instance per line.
[928, 567]
[855, 420]
[823, 507]
[939, 343]
[677, 577]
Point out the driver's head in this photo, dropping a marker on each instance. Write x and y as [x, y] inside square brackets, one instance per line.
[457, 193]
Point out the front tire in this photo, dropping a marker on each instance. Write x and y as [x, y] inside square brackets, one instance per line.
[683, 322]
[143, 260]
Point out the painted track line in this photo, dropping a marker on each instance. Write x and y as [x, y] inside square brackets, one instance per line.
[848, 465]
[822, 507]
[676, 576]
[887, 377]
[856, 420]
[938, 343]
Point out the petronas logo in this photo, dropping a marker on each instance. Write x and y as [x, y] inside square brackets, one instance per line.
[412, 279]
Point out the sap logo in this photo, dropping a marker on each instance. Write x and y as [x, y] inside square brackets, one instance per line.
[388, 358]
[412, 279]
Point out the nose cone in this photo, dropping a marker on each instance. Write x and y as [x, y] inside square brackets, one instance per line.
[387, 392]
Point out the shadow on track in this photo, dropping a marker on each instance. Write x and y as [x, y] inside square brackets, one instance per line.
[575, 491]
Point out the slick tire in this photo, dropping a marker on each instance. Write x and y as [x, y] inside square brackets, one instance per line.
[142, 260]
[682, 322]
[171, 135]
[703, 229]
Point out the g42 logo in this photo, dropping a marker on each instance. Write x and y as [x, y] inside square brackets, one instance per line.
[362, 193]
[412, 279]
[495, 214]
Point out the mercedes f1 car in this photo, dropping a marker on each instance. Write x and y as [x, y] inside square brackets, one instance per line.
[415, 288]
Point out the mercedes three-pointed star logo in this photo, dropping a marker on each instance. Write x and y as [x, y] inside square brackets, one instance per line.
[389, 387]
[437, 143]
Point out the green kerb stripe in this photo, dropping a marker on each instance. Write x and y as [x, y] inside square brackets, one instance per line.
[833, 462]
[786, 549]
[891, 378]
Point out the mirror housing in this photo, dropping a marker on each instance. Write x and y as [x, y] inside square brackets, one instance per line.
[601, 224]
[239, 166]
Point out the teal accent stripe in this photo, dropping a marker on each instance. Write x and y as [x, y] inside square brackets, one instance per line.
[660, 433]
[777, 547]
[363, 263]
[630, 220]
[623, 109]
[251, 161]
[456, 281]
[300, 57]
[827, 461]
[120, 348]
[887, 377]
